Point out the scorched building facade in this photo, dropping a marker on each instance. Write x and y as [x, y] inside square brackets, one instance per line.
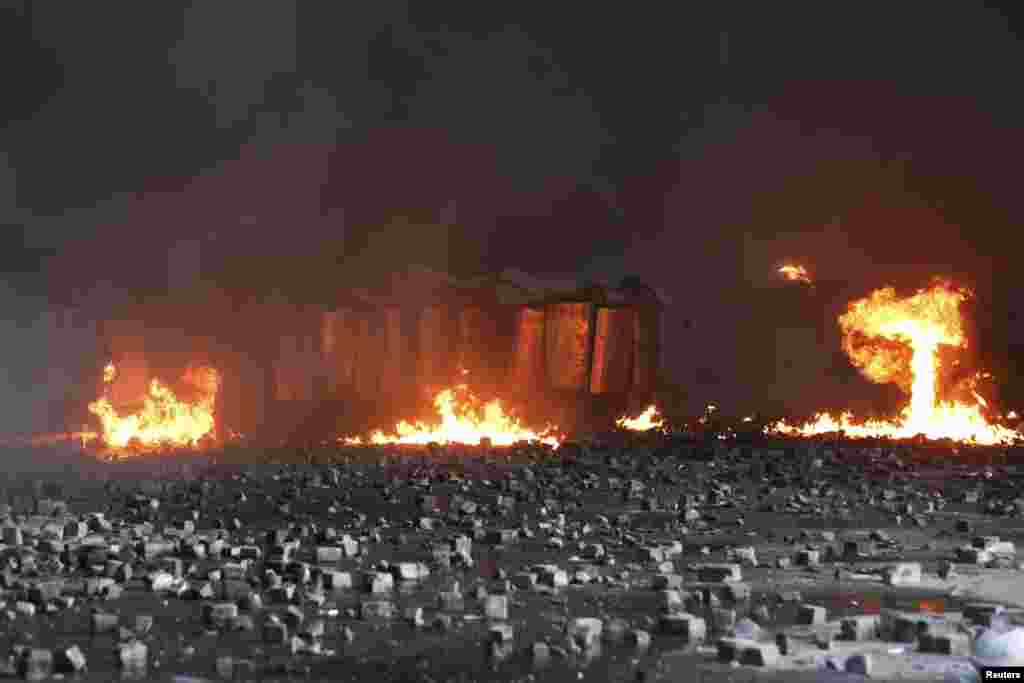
[563, 353]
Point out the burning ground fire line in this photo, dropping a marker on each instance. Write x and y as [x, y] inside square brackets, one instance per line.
[163, 419]
[645, 421]
[464, 420]
[887, 337]
[893, 339]
[166, 420]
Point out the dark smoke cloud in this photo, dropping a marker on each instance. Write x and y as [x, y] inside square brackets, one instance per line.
[299, 143]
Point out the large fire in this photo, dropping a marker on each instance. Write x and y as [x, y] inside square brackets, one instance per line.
[163, 419]
[893, 339]
[464, 420]
[645, 421]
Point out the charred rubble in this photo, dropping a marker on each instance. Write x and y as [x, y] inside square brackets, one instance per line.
[643, 555]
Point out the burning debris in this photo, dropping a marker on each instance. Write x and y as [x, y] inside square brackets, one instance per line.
[164, 419]
[894, 339]
[795, 273]
[645, 421]
[464, 420]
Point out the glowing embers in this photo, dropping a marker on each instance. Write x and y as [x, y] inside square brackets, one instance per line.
[163, 419]
[464, 419]
[894, 339]
[645, 421]
[795, 273]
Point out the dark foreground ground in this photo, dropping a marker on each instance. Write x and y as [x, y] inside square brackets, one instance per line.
[654, 506]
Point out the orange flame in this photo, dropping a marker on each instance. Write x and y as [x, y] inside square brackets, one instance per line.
[164, 419]
[893, 339]
[463, 421]
[647, 420]
[795, 273]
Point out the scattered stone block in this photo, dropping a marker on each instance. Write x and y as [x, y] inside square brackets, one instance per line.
[905, 629]
[501, 633]
[952, 644]
[376, 609]
[410, 571]
[275, 632]
[984, 542]
[811, 615]
[904, 574]
[70, 660]
[379, 582]
[328, 554]
[104, 622]
[670, 600]
[540, 654]
[12, 536]
[143, 624]
[219, 615]
[730, 649]
[667, 582]
[336, 580]
[718, 573]
[282, 594]
[859, 628]
[641, 639]
[451, 601]
[615, 630]
[857, 548]
[691, 627]
[586, 631]
[722, 619]
[736, 592]
[496, 607]
[808, 558]
[161, 581]
[133, 658]
[972, 555]
[552, 576]
[652, 554]
[746, 556]
[981, 614]
[294, 617]
[37, 664]
[758, 654]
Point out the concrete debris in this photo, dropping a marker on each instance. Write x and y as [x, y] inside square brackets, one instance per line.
[668, 550]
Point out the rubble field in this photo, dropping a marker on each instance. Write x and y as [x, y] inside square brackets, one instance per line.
[646, 558]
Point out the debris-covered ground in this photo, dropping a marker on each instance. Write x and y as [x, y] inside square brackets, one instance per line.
[657, 559]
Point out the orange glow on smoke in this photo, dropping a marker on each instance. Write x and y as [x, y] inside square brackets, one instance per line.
[647, 420]
[892, 339]
[163, 419]
[464, 420]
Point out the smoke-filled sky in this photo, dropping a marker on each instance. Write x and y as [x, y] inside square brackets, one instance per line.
[876, 142]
